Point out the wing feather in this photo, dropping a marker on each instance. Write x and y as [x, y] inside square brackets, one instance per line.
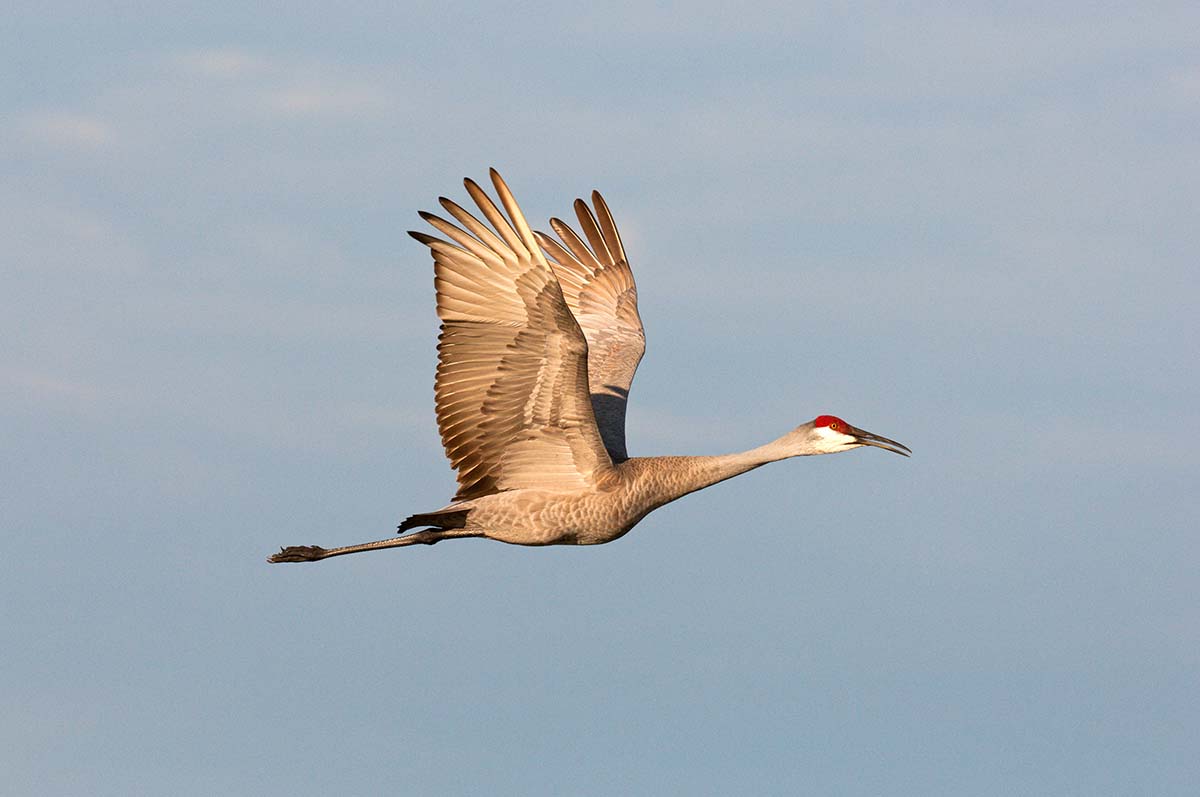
[513, 404]
[598, 286]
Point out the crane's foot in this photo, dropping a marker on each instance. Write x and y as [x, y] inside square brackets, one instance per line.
[298, 553]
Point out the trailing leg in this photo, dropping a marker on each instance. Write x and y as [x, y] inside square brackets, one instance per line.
[313, 553]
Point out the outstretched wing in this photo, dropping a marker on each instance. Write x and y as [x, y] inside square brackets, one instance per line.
[598, 286]
[512, 379]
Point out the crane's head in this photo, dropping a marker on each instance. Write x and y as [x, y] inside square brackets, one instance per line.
[830, 434]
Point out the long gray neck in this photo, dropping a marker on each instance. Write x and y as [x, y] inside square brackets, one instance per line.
[664, 479]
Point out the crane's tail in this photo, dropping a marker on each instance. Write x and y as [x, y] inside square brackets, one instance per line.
[444, 520]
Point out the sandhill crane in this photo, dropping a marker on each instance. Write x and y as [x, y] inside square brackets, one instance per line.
[535, 360]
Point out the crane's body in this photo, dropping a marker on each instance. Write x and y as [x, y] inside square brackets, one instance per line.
[536, 358]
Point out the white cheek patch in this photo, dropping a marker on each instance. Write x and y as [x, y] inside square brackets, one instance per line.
[834, 439]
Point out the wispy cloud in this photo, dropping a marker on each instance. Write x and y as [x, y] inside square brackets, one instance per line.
[67, 129]
[327, 98]
[285, 86]
[219, 63]
[42, 389]
[44, 237]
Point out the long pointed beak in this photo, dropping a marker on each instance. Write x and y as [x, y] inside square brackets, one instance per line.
[868, 439]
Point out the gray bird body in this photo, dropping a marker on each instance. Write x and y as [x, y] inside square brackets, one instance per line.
[604, 511]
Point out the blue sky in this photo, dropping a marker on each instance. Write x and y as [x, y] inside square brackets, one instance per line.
[968, 227]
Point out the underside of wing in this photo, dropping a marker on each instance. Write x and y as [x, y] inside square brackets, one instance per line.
[598, 286]
[513, 406]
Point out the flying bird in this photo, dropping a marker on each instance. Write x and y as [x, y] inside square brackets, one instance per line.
[535, 360]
